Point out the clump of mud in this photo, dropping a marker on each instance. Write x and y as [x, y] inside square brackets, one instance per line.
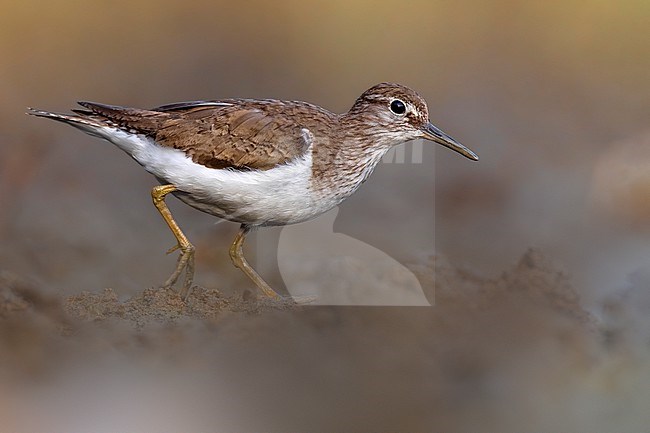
[166, 305]
[533, 281]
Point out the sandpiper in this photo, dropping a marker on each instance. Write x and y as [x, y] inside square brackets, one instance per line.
[258, 162]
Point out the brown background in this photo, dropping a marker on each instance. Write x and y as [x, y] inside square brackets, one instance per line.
[554, 97]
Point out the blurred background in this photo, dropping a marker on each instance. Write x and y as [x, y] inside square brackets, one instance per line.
[553, 96]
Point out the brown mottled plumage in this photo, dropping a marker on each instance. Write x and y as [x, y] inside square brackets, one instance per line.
[259, 162]
[231, 133]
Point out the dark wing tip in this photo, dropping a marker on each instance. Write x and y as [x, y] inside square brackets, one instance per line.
[99, 108]
[82, 112]
[191, 104]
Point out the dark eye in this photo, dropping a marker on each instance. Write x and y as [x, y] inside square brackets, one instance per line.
[397, 107]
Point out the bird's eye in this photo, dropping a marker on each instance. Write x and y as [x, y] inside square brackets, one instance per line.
[397, 107]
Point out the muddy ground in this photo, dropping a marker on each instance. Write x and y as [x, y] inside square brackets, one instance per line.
[498, 354]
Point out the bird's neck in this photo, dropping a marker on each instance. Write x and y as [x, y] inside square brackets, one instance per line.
[340, 166]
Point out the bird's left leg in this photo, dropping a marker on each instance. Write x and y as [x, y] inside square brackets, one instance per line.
[186, 258]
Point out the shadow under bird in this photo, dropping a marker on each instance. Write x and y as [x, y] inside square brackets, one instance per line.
[258, 162]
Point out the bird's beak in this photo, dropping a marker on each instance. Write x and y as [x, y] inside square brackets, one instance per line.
[434, 134]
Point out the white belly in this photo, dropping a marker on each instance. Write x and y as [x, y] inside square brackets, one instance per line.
[279, 196]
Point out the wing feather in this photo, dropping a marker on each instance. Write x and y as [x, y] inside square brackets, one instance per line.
[242, 134]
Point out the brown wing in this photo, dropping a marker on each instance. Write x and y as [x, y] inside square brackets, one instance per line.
[222, 134]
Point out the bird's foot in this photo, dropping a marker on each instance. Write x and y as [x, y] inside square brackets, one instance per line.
[185, 263]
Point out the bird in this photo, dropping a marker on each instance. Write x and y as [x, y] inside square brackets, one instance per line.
[258, 162]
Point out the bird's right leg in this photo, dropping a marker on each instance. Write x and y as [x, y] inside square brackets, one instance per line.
[238, 259]
[186, 258]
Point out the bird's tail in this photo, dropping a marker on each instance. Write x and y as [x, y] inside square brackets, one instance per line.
[127, 128]
[102, 120]
[81, 120]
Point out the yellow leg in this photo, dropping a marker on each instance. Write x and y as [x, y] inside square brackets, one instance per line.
[186, 258]
[237, 256]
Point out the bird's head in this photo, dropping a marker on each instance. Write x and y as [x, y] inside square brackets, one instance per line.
[393, 114]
